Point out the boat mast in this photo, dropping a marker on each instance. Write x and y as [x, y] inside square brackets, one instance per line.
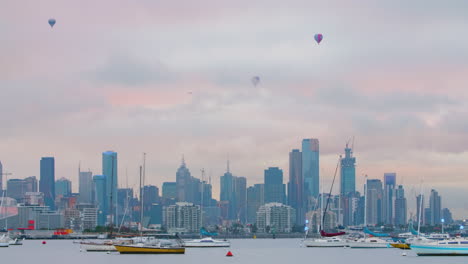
[111, 225]
[201, 206]
[141, 205]
[365, 203]
[421, 201]
[331, 188]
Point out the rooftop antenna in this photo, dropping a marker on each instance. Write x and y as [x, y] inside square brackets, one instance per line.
[228, 164]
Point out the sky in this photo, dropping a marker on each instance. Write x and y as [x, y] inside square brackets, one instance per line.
[173, 78]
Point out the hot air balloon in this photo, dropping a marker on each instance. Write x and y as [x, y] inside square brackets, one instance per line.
[255, 80]
[318, 38]
[52, 22]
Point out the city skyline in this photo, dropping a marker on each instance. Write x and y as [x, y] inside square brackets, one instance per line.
[179, 83]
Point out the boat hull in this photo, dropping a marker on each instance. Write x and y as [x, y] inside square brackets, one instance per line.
[4, 244]
[205, 245]
[369, 245]
[148, 250]
[98, 248]
[325, 244]
[400, 245]
[434, 250]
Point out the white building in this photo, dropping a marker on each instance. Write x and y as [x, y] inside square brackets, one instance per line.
[182, 217]
[275, 217]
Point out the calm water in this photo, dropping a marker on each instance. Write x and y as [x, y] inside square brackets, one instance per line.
[271, 251]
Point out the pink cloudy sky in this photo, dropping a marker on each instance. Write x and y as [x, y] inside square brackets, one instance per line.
[116, 75]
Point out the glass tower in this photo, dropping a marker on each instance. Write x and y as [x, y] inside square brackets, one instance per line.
[310, 167]
[348, 173]
[47, 181]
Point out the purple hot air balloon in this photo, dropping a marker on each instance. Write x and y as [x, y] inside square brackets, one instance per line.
[255, 80]
[318, 38]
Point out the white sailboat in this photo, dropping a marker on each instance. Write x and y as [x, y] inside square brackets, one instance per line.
[326, 241]
[4, 241]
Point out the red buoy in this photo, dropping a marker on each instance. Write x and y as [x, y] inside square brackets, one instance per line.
[43, 242]
[229, 254]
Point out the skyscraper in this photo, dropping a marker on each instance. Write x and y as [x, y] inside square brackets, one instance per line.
[389, 197]
[101, 198]
[296, 185]
[183, 181]
[274, 187]
[435, 206]
[348, 173]
[374, 201]
[47, 181]
[169, 190]
[234, 192]
[255, 199]
[109, 170]
[420, 209]
[86, 187]
[63, 187]
[400, 206]
[310, 167]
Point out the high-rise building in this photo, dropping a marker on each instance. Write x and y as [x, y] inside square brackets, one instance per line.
[109, 170]
[184, 184]
[400, 207]
[296, 185]
[389, 197]
[276, 217]
[63, 187]
[101, 199]
[150, 196]
[374, 201]
[435, 206]
[310, 167]
[47, 181]
[255, 199]
[17, 188]
[274, 187]
[447, 216]
[182, 217]
[348, 173]
[234, 192]
[86, 187]
[169, 190]
[420, 209]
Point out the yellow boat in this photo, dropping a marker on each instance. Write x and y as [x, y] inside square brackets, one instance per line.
[400, 245]
[148, 249]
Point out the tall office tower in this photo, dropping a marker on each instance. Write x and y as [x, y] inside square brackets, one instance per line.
[447, 216]
[400, 207]
[296, 185]
[435, 202]
[169, 191]
[47, 181]
[240, 191]
[151, 196]
[255, 199]
[86, 187]
[420, 209]
[348, 173]
[1, 178]
[389, 197]
[109, 169]
[101, 200]
[374, 201]
[63, 187]
[17, 188]
[184, 183]
[274, 188]
[310, 167]
[234, 192]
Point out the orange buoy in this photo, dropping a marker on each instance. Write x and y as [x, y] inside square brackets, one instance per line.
[43, 242]
[229, 254]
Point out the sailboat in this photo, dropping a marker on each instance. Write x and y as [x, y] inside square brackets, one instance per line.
[4, 241]
[327, 239]
[160, 244]
[207, 241]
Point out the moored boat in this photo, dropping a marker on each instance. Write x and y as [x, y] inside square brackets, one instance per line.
[149, 249]
[207, 242]
[4, 241]
[400, 245]
[369, 242]
[325, 242]
[447, 247]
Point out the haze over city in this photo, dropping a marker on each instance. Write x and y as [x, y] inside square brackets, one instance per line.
[173, 79]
